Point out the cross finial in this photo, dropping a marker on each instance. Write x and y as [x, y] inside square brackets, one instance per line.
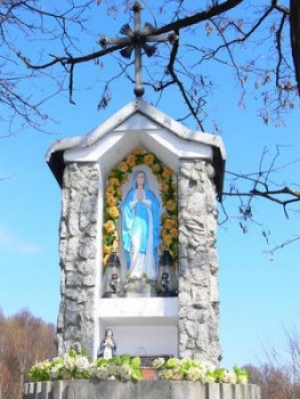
[137, 41]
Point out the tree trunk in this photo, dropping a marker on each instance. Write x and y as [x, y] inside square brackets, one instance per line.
[295, 37]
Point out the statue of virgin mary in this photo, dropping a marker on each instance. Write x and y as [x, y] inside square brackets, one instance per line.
[140, 228]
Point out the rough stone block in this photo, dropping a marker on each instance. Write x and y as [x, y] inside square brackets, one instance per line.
[227, 391]
[191, 329]
[72, 279]
[121, 390]
[150, 390]
[187, 390]
[191, 344]
[213, 391]
[101, 389]
[28, 390]
[239, 391]
[57, 389]
[183, 338]
[72, 318]
[183, 299]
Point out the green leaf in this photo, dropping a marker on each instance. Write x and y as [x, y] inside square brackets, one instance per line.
[219, 373]
[117, 361]
[73, 353]
[210, 376]
[172, 362]
[136, 362]
[136, 375]
[101, 362]
[125, 359]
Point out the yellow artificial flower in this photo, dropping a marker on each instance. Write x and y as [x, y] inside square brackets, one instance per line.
[175, 220]
[131, 160]
[111, 200]
[113, 212]
[109, 226]
[123, 167]
[164, 232]
[168, 223]
[164, 216]
[106, 249]
[167, 173]
[174, 232]
[113, 181]
[167, 239]
[105, 259]
[138, 151]
[110, 190]
[164, 188]
[156, 167]
[119, 192]
[170, 205]
[149, 159]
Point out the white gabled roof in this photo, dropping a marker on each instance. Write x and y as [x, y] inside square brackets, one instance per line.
[138, 124]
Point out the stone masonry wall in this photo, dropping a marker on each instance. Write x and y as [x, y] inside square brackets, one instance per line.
[78, 248]
[198, 281]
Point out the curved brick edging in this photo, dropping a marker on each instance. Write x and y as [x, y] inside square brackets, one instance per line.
[89, 389]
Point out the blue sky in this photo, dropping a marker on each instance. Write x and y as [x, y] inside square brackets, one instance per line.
[259, 295]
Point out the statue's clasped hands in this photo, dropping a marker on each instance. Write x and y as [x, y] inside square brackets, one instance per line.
[140, 195]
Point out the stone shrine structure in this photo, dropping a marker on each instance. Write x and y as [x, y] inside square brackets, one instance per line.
[185, 325]
[139, 188]
[169, 320]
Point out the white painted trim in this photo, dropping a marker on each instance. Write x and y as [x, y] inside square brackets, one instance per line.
[130, 114]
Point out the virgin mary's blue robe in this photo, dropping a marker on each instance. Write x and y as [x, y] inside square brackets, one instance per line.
[135, 220]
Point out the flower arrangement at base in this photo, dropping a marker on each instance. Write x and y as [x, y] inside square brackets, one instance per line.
[175, 369]
[125, 368]
[113, 197]
[75, 366]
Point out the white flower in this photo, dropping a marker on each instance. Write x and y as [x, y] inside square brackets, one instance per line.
[125, 372]
[208, 366]
[177, 374]
[229, 377]
[112, 369]
[166, 374]
[53, 372]
[184, 361]
[82, 363]
[101, 373]
[43, 366]
[157, 363]
[194, 374]
[68, 362]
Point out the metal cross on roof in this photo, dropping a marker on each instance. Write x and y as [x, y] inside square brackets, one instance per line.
[138, 40]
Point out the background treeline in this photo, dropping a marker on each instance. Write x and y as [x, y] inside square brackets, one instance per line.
[26, 340]
[275, 382]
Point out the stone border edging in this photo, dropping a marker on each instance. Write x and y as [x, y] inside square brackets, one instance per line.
[89, 389]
